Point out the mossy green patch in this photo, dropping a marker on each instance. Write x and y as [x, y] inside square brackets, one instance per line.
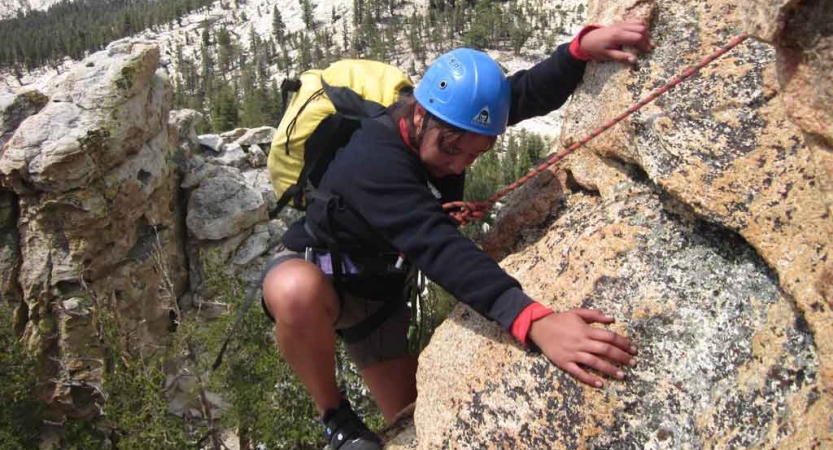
[126, 81]
[47, 326]
[95, 140]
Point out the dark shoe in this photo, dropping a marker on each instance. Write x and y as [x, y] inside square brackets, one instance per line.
[346, 431]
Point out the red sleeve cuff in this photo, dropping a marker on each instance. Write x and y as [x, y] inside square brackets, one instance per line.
[522, 323]
[575, 45]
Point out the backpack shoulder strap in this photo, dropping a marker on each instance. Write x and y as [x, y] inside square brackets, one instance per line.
[350, 104]
[319, 149]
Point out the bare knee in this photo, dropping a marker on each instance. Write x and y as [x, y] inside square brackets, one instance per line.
[297, 293]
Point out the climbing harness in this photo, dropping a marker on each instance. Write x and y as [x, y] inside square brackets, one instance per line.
[464, 212]
[416, 329]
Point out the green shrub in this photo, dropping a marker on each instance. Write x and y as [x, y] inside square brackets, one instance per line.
[20, 415]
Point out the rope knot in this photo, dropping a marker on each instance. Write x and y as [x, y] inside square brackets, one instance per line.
[465, 212]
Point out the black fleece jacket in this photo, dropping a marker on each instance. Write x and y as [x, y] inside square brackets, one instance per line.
[391, 203]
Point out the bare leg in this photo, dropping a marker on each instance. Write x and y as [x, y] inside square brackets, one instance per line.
[304, 306]
[392, 384]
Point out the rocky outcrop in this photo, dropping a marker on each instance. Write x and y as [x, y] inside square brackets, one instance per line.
[727, 142]
[16, 108]
[97, 216]
[231, 218]
[110, 200]
[13, 110]
[701, 222]
[104, 186]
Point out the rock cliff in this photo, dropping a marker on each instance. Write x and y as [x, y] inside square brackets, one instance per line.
[702, 223]
[97, 215]
[109, 200]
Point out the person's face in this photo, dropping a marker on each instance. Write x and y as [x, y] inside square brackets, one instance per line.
[447, 151]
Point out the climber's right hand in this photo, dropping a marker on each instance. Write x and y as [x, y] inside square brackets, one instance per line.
[572, 344]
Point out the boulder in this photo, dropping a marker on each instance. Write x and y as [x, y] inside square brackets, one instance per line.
[224, 205]
[255, 136]
[256, 156]
[197, 169]
[232, 155]
[231, 136]
[256, 245]
[260, 181]
[185, 121]
[211, 141]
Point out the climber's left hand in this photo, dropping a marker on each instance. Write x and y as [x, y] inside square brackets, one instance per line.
[606, 43]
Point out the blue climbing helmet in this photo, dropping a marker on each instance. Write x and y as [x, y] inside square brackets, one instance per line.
[467, 89]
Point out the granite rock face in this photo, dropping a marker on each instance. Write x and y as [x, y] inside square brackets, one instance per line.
[96, 208]
[702, 223]
[742, 143]
[724, 355]
[805, 73]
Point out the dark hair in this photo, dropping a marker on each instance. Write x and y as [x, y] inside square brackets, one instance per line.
[405, 108]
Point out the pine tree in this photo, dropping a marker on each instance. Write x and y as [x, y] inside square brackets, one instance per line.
[479, 35]
[224, 114]
[206, 37]
[414, 41]
[377, 10]
[207, 68]
[519, 32]
[345, 35]
[274, 107]
[307, 12]
[510, 160]
[278, 27]
[483, 179]
[253, 111]
[225, 52]
[305, 53]
[369, 36]
[358, 12]
[287, 61]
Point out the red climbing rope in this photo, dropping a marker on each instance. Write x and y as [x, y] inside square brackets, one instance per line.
[464, 212]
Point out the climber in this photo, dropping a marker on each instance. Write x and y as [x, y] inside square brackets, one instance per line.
[342, 268]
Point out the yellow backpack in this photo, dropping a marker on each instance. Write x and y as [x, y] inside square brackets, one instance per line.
[326, 109]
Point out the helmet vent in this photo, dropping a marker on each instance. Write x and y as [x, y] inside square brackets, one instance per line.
[443, 84]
